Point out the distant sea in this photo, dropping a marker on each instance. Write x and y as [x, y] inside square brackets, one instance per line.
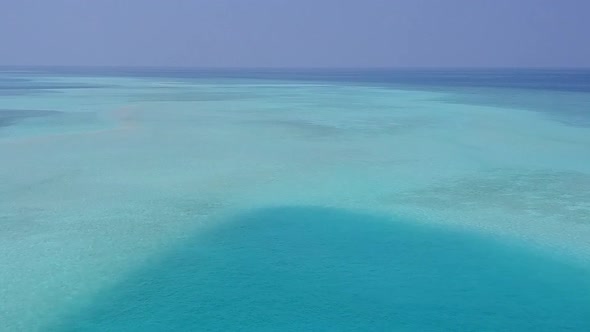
[294, 200]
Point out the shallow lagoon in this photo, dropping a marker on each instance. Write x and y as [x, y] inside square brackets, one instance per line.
[161, 189]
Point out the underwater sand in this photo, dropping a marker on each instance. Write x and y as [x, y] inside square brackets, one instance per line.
[252, 201]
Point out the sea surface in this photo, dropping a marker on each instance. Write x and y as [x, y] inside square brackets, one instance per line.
[294, 200]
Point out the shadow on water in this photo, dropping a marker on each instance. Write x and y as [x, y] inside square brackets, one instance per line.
[319, 269]
[10, 117]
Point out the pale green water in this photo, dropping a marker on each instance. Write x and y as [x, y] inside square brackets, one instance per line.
[135, 169]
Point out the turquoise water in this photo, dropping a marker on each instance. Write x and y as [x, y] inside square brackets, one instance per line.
[179, 200]
[308, 268]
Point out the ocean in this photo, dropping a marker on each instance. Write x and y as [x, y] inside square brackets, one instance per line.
[294, 200]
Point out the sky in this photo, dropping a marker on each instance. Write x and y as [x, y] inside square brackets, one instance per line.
[296, 33]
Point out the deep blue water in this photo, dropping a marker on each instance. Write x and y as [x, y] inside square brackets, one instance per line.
[574, 80]
[319, 269]
[568, 102]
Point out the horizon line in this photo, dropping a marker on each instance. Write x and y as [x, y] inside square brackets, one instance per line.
[171, 67]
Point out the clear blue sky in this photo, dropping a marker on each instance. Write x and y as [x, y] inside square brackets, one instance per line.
[296, 33]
